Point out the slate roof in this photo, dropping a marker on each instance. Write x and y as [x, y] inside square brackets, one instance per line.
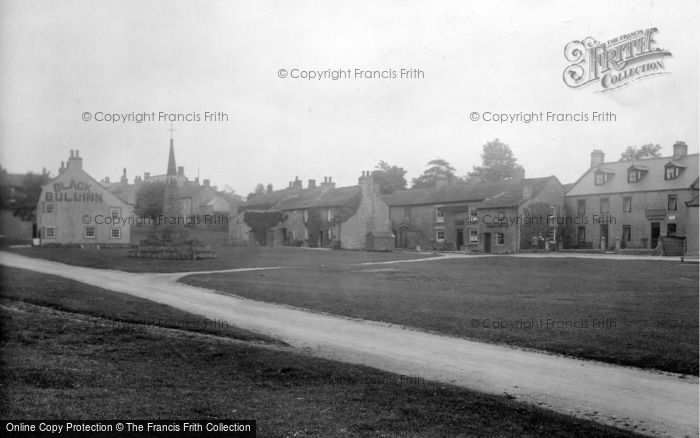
[301, 199]
[485, 195]
[127, 192]
[652, 180]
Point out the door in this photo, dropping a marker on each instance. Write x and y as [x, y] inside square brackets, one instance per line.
[655, 232]
[460, 239]
[604, 238]
[487, 242]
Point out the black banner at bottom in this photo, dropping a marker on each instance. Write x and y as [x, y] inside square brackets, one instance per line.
[129, 428]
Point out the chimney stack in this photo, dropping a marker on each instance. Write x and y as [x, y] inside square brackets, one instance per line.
[74, 161]
[312, 183]
[146, 175]
[62, 168]
[680, 150]
[597, 158]
[297, 183]
[327, 183]
[269, 188]
[124, 179]
[206, 182]
[106, 180]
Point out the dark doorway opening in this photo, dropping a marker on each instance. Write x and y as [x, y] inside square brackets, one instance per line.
[487, 242]
[604, 238]
[655, 233]
[460, 239]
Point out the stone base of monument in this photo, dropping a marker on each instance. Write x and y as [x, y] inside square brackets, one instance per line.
[173, 245]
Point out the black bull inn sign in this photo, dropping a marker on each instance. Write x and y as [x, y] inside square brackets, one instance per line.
[75, 192]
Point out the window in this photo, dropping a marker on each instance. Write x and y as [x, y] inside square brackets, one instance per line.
[672, 202]
[89, 232]
[672, 172]
[115, 233]
[604, 205]
[671, 230]
[627, 204]
[581, 207]
[115, 212]
[48, 196]
[500, 238]
[552, 215]
[581, 234]
[440, 235]
[473, 215]
[50, 207]
[633, 175]
[306, 234]
[306, 215]
[330, 214]
[439, 215]
[601, 178]
[50, 232]
[473, 235]
[626, 233]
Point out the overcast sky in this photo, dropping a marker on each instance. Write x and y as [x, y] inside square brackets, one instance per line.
[61, 59]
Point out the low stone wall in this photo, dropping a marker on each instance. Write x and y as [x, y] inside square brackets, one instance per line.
[182, 252]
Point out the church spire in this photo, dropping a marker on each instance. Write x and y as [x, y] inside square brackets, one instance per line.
[172, 168]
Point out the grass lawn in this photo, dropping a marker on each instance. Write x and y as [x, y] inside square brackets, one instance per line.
[229, 257]
[646, 311]
[53, 367]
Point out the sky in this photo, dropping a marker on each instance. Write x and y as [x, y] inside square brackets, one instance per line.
[64, 62]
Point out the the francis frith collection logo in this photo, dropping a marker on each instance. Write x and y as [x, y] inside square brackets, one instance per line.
[614, 63]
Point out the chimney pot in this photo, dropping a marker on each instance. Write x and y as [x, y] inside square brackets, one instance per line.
[146, 175]
[269, 188]
[312, 183]
[206, 182]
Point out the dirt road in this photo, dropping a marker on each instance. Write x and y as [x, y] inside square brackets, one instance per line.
[659, 404]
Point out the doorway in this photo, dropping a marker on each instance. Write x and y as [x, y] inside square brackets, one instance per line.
[460, 239]
[487, 242]
[655, 233]
[604, 238]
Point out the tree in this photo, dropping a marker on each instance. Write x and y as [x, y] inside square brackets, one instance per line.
[436, 167]
[25, 206]
[389, 178]
[5, 189]
[259, 190]
[646, 151]
[498, 163]
[150, 199]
